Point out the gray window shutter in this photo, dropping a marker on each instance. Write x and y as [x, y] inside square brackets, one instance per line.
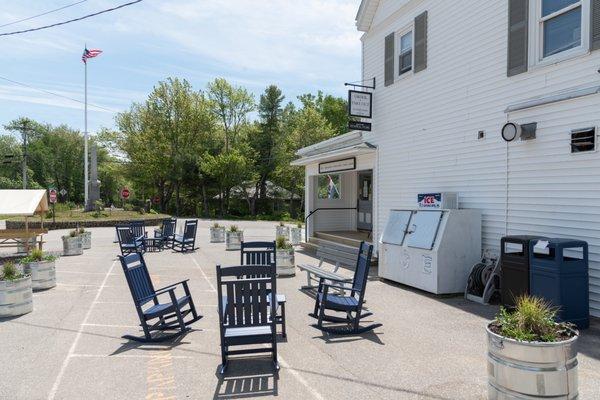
[420, 42]
[595, 25]
[389, 60]
[518, 27]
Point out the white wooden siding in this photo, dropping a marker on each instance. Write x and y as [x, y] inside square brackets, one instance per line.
[426, 125]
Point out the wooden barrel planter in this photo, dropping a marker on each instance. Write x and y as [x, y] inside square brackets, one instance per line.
[43, 274]
[217, 234]
[16, 297]
[86, 240]
[285, 261]
[295, 236]
[282, 231]
[531, 370]
[233, 240]
[72, 245]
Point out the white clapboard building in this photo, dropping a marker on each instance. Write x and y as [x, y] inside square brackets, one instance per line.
[448, 76]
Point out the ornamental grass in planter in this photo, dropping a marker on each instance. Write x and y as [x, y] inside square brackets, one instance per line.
[233, 238]
[284, 257]
[42, 268]
[217, 233]
[530, 355]
[86, 238]
[16, 295]
[282, 230]
[296, 234]
[72, 245]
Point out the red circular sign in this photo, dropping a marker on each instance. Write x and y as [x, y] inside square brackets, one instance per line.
[52, 195]
[125, 193]
[156, 199]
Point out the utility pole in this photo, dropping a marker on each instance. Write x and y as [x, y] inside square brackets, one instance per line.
[24, 162]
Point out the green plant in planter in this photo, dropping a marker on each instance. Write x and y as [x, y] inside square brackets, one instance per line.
[281, 223]
[234, 228]
[282, 243]
[10, 272]
[299, 225]
[74, 232]
[81, 231]
[216, 225]
[533, 320]
[38, 255]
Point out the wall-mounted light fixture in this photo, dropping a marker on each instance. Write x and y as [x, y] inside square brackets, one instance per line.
[512, 131]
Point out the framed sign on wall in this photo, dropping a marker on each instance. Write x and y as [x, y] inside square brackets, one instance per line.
[347, 164]
[360, 104]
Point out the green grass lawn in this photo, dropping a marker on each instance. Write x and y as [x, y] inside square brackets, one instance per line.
[106, 215]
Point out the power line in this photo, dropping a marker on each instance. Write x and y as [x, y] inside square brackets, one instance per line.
[71, 20]
[56, 94]
[45, 13]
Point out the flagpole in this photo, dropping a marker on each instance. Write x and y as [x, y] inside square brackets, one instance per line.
[85, 145]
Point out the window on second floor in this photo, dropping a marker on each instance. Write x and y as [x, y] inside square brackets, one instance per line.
[405, 57]
[560, 29]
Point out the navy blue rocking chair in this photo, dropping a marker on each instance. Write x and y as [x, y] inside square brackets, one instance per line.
[171, 312]
[139, 229]
[245, 312]
[187, 241]
[264, 253]
[167, 232]
[128, 242]
[349, 299]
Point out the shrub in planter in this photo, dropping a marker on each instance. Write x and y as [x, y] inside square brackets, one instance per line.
[296, 234]
[217, 233]
[530, 355]
[86, 238]
[284, 257]
[233, 238]
[16, 295]
[72, 245]
[42, 269]
[282, 231]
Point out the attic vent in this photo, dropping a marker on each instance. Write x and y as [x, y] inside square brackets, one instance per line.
[583, 140]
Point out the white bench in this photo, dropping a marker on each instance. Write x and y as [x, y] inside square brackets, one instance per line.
[330, 255]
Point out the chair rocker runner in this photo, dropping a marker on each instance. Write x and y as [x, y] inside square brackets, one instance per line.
[170, 312]
[264, 253]
[246, 316]
[350, 302]
[187, 241]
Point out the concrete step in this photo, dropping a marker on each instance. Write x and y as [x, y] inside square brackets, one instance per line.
[338, 239]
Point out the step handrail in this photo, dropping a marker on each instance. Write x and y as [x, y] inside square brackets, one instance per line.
[319, 209]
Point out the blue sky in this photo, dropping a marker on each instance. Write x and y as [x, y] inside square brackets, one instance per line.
[302, 46]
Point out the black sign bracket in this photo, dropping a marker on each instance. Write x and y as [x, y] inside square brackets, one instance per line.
[360, 84]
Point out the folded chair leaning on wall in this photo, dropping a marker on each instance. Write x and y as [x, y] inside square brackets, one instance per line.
[349, 302]
[169, 310]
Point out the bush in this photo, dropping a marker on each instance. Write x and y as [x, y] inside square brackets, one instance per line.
[533, 320]
[10, 272]
[128, 207]
[37, 255]
[282, 243]
[234, 228]
[141, 210]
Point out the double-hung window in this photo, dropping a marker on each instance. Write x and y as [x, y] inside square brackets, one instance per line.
[405, 57]
[560, 29]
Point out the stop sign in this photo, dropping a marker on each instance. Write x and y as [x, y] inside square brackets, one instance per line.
[52, 195]
[125, 193]
[156, 199]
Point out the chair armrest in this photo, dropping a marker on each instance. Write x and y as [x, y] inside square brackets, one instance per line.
[344, 280]
[327, 285]
[184, 282]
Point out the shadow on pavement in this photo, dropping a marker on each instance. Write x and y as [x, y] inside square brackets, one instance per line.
[247, 378]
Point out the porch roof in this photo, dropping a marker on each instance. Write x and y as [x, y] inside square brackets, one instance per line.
[349, 144]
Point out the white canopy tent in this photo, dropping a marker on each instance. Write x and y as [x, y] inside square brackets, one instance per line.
[23, 202]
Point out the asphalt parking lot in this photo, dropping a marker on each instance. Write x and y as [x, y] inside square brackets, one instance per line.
[70, 346]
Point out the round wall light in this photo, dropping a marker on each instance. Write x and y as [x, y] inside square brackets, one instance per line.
[511, 131]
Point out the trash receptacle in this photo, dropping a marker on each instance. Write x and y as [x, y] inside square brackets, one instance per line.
[559, 274]
[514, 266]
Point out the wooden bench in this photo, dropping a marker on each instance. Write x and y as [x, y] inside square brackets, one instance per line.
[330, 254]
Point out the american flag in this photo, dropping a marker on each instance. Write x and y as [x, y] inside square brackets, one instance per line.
[90, 54]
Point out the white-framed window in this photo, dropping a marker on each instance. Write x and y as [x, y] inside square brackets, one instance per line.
[405, 51]
[559, 29]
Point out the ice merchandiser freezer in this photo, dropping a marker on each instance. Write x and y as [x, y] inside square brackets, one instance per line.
[432, 250]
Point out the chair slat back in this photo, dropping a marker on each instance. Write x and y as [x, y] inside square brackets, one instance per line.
[257, 253]
[125, 235]
[169, 227]
[138, 278]
[363, 262]
[189, 230]
[247, 298]
[138, 228]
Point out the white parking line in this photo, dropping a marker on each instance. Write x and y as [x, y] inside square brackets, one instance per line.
[300, 378]
[203, 274]
[65, 363]
[121, 356]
